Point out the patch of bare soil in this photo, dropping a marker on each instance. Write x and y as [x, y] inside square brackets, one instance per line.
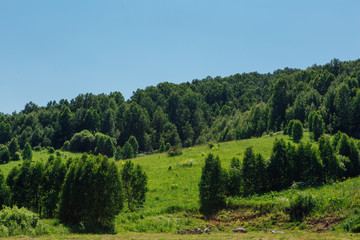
[235, 216]
[323, 224]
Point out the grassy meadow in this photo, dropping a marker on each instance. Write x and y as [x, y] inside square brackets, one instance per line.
[172, 202]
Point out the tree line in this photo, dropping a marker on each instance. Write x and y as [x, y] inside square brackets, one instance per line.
[288, 164]
[212, 109]
[90, 190]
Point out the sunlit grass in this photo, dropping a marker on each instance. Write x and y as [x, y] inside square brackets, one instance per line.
[172, 201]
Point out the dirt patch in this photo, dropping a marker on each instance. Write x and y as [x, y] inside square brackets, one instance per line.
[235, 216]
[323, 224]
[232, 216]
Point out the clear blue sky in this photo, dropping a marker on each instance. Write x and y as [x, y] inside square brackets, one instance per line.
[55, 49]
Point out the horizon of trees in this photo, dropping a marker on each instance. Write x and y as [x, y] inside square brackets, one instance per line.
[212, 109]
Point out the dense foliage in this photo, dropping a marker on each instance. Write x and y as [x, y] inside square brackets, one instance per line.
[135, 184]
[288, 165]
[86, 191]
[92, 194]
[212, 184]
[17, 221]
[212, 109]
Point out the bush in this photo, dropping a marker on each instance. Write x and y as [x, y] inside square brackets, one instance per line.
[105, 145]
[162, 147]
[134, 144]
[4, 192]
[352, 223]
[167, 147]
[17, 221]
[5, 156]
[301, 205]
[83, 141]
[51, 150]
[117, 154]
[13, 147]
[174, 151]
[127, 151]
[16, 156]
[297, 131]
[66, 146]
[27, 153]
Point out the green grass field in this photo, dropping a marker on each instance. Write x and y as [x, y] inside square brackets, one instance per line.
[172, 201]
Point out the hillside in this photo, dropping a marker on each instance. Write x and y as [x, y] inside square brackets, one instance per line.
[172, 202]
[275, 151]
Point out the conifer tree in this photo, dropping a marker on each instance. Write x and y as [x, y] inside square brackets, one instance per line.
[297, 131]
[211, 185]
[27, 153]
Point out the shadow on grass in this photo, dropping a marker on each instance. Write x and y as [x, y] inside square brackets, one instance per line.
[84, 227]
[210, 208]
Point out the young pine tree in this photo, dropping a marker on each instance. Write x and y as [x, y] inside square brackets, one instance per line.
[162, 147]
[317, 126]
[211, 186]
[328, 157]
[297, 131]
[127, 151]
[248, 172]
[234, 178]
[27, 152]
[134, 144]
[13, 147]
[135, 184]
[118, 153]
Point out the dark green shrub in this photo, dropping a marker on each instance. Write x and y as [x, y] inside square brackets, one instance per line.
[27, 153]
[83, 141]
[127, 151]
[4, 156]
[4, 192]
[162, 147]
[297, 131]
[105, 145]
[174, 151]
[51, 150]
[317, 126]
[13, 147]
[301, 205]
[288, 130]
[234, 178]
[16, 156]
[134, 144]
[66, 146]
[168, 146]
[117, 154]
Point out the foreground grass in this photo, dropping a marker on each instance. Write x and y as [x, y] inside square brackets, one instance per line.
[250, 235]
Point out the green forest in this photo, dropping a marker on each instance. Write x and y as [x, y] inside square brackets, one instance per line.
[193, 151]
[212, 109]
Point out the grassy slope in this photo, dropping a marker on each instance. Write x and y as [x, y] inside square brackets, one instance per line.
[172, 201]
